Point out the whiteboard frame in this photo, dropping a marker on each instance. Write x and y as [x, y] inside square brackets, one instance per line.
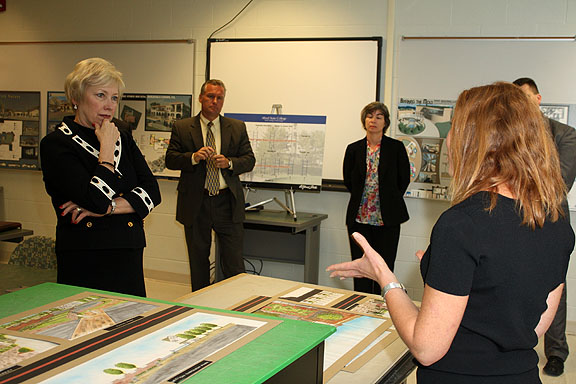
[339, 94]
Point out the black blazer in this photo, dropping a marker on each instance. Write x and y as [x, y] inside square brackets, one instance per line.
[186, 139]
[71, 172]
[393, 178]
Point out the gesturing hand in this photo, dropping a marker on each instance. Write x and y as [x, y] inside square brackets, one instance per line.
[370, 265]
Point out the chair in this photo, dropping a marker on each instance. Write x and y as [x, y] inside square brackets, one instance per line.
[35, 252]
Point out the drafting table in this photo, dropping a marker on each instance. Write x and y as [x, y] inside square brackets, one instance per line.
[294, 348]
[391, 366]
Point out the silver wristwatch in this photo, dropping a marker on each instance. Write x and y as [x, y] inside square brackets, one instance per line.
[112, 207]
[390, 286]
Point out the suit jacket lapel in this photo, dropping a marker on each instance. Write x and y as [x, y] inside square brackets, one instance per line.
[196, 133]
[363, 149]
[225, 135]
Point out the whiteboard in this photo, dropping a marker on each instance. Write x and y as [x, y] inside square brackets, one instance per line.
[335, 78]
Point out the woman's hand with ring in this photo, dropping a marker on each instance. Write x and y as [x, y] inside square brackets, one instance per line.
[77, 212]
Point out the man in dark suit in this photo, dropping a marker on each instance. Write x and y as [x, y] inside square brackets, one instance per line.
[555, 344]
[211, 151]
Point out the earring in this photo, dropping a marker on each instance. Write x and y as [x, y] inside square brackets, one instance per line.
[75, 106]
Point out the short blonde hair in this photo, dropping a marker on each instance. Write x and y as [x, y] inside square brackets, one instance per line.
[91, 72]
[499, 137]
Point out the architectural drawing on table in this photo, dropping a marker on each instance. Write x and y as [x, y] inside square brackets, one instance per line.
[79, 317]
[352, 332]
[14, 349]
[312, 296]
[172, 353]
[374, 307]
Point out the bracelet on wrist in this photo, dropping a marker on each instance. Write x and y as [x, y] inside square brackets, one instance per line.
[391, 286]
[112, 207]
[107, 163]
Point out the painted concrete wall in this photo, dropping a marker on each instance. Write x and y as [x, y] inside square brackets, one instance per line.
[24, 198]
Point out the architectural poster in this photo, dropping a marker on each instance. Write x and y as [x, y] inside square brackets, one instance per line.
[364, 327]
[422, 125]
[289, 149]
[19, 130]
[151, 118]
[58, 107]
[97, 338]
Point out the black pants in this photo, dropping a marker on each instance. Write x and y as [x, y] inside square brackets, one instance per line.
[116, 270]
[215, 214]
[555, 343]
[384, 239]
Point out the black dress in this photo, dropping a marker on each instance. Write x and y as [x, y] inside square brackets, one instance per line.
[507, 270]
[98, 252]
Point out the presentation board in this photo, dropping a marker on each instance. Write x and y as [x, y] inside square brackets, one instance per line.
[431, 74]
[335, 78]
[289, 149]
[153, 67]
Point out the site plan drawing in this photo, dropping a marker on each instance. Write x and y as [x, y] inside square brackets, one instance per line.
[289, 149]
[363, 325]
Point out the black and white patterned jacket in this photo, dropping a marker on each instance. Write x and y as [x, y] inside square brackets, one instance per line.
[69, 161]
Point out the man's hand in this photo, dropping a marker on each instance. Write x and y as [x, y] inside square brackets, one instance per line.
[220, 161]
[203, 153]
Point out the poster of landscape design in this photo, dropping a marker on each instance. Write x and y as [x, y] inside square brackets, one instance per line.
[19, 129]
[58, 107]
[353, 332]
[428, 159]
[170, 354]
[95, 338]
[424, 117]
[15, 348]
[163, 110]
[78, 317]
[150, 119]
